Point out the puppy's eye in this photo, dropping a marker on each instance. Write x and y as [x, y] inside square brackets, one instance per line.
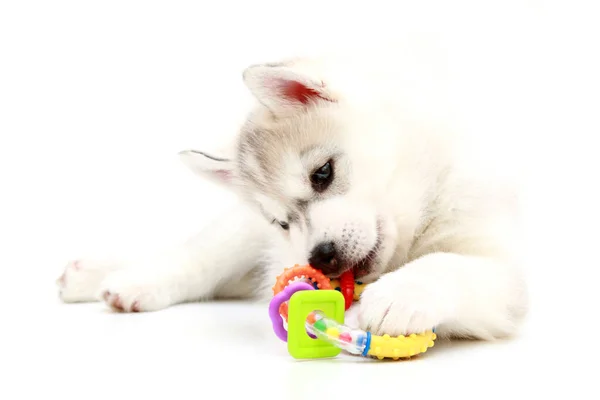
[284, 225]
[322, 177]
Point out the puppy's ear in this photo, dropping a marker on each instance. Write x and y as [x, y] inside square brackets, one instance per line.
[216, 168]
[285, 90]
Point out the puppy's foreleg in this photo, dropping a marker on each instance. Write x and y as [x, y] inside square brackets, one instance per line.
[216, 262]
[459, 295]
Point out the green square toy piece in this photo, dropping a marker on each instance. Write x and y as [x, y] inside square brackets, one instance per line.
[302, 303]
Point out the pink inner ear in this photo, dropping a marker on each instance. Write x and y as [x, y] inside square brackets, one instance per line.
[298, 92]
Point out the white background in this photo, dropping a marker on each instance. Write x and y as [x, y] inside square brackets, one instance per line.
[97, 98]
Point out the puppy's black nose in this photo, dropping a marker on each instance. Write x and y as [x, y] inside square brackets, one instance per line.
[323, 257]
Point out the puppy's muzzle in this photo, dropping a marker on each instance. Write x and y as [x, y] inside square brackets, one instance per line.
[324, 257]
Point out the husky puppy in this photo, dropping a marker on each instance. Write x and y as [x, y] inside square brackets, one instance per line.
[345, 166]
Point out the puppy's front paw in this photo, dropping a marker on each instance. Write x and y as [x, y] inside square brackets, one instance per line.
[402, 303]
[131, 291]
[81, 279]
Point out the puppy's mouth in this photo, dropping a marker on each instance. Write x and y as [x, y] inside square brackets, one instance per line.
[365, 265]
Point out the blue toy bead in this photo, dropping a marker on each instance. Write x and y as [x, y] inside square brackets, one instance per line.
[361, 340]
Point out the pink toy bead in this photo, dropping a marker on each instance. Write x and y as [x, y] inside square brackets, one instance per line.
[346, 337]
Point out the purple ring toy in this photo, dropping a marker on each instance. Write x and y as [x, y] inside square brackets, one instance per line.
[280, 298]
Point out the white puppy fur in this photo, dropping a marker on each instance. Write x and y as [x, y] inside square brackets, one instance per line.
[406, 200]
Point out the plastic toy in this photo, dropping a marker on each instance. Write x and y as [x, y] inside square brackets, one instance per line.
[312, 307]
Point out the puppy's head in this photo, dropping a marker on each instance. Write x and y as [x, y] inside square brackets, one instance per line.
[316, 166]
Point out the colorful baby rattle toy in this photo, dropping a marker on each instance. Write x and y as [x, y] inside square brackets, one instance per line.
[307, 312]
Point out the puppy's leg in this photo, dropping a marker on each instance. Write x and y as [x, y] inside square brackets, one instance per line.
[459, 295]
[217, 261]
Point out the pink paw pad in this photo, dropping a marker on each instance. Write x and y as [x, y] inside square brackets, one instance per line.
[113, 300]
[135, 307]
